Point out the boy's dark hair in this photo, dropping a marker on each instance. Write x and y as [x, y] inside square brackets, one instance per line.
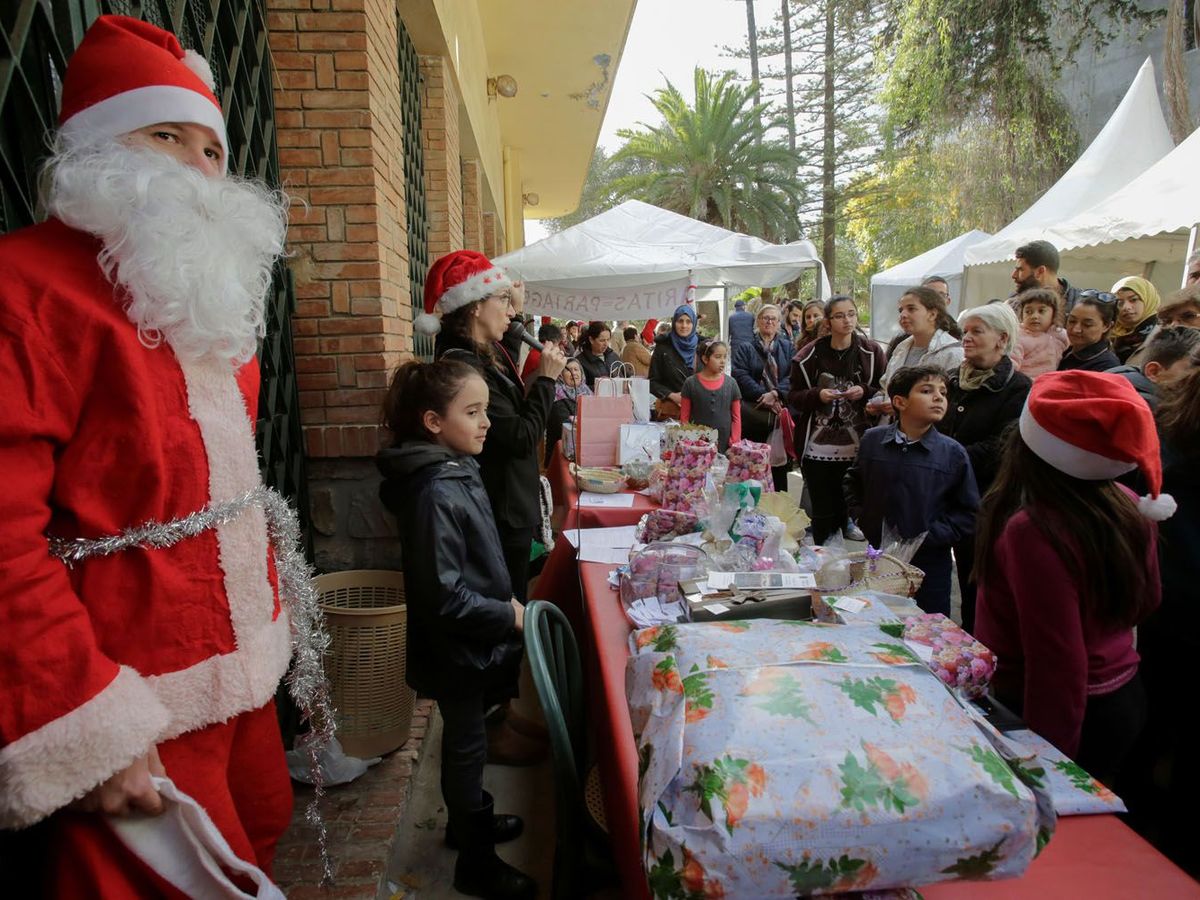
[1168, 346]
[909, 377]
[1045, 296]
[630, 333]
[1039, 253]
[418, 387]
[549, 332]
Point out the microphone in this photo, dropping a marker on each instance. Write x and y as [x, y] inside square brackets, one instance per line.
[526, 337]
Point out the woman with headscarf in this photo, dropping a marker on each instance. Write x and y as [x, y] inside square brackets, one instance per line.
[674, 359]
[569, 387]
[986, 395]
[762, 369]
[1137, 314]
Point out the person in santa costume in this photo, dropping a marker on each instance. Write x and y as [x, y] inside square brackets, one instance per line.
[1067, 564]
[469, 305]
[128, 389]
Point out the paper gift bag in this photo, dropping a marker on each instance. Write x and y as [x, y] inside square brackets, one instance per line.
[639, 443]
[598, 422]
[638, 388]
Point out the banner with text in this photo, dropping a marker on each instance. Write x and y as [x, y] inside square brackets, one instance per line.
[648, 301]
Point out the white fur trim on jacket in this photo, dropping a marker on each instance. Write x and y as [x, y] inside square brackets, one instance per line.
[46, 769]
[478, 286]
[1074, 461]
[219, 688]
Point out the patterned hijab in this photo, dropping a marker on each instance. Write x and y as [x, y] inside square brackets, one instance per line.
[564, 391]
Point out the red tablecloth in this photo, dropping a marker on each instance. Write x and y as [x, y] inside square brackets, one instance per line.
[1097, 857]
[566, 498]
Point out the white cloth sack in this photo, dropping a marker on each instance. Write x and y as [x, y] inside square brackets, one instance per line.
[640, 443]
[185, 849]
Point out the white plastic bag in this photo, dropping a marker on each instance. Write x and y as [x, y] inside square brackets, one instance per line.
[336, 766]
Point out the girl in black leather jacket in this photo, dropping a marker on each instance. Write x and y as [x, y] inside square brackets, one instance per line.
[464, 624]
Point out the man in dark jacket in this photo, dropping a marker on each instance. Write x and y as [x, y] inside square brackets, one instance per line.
[741, 325]
[1169, 355]
[1037, 266]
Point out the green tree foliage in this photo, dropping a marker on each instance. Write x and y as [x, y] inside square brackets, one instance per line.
[710, 160]
[599, 193]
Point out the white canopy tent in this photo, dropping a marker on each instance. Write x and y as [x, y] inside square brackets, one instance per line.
[888, 286]
[636, 260]
[1144, 229]
[1135, 138]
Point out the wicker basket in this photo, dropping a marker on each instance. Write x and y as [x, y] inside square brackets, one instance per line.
[598, 480]
[367, 619]
[885, 574]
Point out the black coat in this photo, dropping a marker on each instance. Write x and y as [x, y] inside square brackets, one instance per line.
[1128, 344]
[1099, 357]
[597, 367]
[668, 371]
[461, 625]
[977, 419]
[509, 461]
[749, 361]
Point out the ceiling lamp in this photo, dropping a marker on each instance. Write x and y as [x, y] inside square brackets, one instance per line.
[531, 199]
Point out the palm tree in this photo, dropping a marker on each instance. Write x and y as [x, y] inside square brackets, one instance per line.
[711, 161]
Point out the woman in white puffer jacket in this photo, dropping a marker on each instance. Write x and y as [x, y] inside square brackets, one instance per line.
[934, 339]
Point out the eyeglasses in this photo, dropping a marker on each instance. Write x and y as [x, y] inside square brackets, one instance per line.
[845, 316]
[768, 318]
[1098, 296]
[1171, 318]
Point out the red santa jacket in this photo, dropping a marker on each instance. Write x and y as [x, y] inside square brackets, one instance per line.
[99, 433]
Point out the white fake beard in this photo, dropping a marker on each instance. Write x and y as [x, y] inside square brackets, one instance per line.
[193, 255]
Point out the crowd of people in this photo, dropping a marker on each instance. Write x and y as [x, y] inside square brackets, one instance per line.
[1047, 446]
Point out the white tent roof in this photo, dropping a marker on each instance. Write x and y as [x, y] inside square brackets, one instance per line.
[888, 286]
[636, 245]
[1135, 137]
[1164, 198]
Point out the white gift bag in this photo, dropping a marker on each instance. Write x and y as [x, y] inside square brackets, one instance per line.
[623, 381]
[639, 443]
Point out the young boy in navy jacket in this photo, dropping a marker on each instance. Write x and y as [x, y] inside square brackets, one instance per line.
[916, 480]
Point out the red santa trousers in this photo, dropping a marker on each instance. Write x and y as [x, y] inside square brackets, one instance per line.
[236, 770]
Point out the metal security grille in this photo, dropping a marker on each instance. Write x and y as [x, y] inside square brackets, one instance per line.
[36, 39]
[414, 182]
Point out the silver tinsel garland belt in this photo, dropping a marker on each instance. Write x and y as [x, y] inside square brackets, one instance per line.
[310, 641]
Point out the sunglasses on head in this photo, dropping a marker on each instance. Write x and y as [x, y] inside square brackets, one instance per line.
[1098, 296]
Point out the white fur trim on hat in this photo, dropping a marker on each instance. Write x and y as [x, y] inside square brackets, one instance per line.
[131, 110]
[1157, 509]
[427, 323]
[1066, 457]
[472, 289]
[200, 66]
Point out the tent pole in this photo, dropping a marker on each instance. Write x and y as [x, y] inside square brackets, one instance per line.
[1190, 250]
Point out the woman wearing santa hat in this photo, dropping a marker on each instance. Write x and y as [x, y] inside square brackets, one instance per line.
[1067, 564]
[469, 305]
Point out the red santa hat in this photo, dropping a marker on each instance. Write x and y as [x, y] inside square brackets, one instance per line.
[648, 331]
[455, 280]
[127, 74]
[1095, 427]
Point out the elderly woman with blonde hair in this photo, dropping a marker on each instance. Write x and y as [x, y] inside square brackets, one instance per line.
[986, 397]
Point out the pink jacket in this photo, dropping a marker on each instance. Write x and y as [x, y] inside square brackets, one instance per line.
[1040, 353]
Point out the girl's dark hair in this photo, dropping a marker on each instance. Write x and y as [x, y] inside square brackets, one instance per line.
[1179, 412]
[1108, 311]
[1109, 539]
[707, 350]
[417, 388]
[458, 324]
[1044, 296]
[835, 300]
[931, 299]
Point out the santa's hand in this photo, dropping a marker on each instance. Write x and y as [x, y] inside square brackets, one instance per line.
[517, 293]
[127, 791]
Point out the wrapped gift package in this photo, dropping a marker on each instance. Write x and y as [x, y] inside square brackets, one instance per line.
[676, 432]
[1073, 791]
[784, 759]
[664, 524]
[956, 657]
[687, 469]
[598, 422]
[750, 460]
[650, 588]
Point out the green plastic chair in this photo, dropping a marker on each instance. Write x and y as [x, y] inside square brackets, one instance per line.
[554, 664]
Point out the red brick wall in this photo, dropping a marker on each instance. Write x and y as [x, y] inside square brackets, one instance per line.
[472, 213]
[338, 118]
[443, 178]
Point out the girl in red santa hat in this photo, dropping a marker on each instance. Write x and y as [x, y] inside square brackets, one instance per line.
[469, 304]
[1067, 564]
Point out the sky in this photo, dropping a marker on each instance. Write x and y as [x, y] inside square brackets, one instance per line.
[667, 40]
